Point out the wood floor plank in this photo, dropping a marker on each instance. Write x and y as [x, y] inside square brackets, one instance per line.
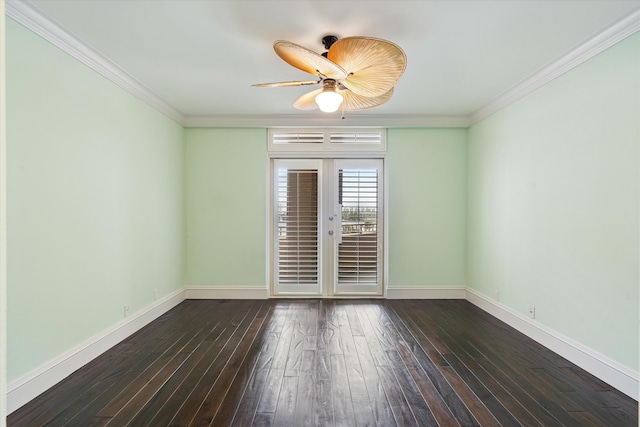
[332, 330]
[305, 399]
[323, 404]
[269, 398]
[354, 320]
[286, 409]
[263, 420]
[342, 404]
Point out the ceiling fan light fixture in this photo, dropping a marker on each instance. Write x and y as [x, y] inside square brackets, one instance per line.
[329, 100]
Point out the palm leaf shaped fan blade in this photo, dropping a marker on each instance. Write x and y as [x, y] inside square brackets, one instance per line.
[287, 84]
[374, 65]
[309, 61]
[305, 60]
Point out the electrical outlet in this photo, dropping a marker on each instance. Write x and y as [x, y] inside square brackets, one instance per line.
[155, 294]
[126, 310]
[496, 296]
[532, 311]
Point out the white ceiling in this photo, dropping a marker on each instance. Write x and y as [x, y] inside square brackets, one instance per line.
[202, 57]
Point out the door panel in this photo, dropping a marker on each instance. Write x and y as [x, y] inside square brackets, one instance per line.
[296, 196]
[359, 248]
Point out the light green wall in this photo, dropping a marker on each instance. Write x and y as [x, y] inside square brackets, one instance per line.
[553, 203]
[95, 192]
[226, 207]
[427, 207]
[227, 195]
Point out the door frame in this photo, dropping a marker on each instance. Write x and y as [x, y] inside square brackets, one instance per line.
[329, 291]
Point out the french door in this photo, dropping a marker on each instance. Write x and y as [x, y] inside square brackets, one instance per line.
[327, 227]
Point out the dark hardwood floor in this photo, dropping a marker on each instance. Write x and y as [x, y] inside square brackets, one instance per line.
[329, 363]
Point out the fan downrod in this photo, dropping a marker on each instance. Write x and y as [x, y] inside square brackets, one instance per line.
[328, 41]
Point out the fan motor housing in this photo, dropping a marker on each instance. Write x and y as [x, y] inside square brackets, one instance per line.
[328, 41]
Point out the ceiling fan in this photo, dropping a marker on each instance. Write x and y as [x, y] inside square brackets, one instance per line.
[356, 73]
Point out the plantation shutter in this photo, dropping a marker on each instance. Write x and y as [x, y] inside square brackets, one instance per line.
[298, 240]
[325, 141]
[358, 251]
[356, 137]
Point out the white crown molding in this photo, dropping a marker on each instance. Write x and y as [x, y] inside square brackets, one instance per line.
[34, 20]
[335, 120]
[616, 33]
[598, 365]
[36, 382]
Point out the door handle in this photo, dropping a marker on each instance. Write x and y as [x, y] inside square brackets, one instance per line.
[339, 224]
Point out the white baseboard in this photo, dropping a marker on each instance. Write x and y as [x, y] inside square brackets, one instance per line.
[217, 292]
[26, 388]
[440, 292]
[600, 366]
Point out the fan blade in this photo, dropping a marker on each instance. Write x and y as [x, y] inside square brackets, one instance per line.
[307, 60]
[350, 101]
[307, 102]
[373, 65]
[287, 84]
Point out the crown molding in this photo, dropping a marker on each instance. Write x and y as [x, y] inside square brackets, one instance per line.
[34, 20]
[326, 120]
[619, 31]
